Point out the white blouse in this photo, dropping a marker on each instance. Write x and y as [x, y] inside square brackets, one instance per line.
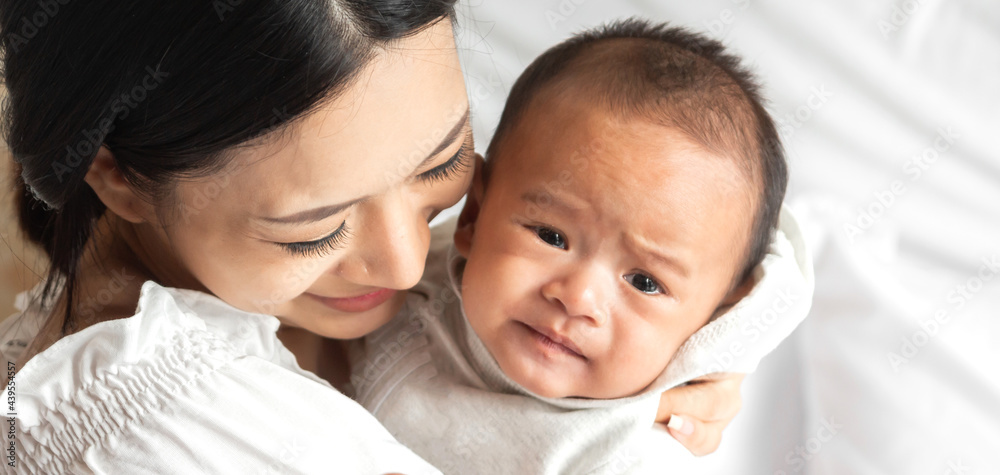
[187, 385]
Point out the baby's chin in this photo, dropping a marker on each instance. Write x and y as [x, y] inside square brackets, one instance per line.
[551, 386]
[547, 388]
[543, 383]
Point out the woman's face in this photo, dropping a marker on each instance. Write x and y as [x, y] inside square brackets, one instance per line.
[324, 226]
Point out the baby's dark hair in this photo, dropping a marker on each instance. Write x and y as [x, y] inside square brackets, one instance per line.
[676, 78]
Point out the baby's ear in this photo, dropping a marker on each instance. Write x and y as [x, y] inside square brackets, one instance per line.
[739, 292]
[466, 227]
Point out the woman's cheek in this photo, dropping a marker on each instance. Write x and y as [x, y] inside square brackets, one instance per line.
[272, 285]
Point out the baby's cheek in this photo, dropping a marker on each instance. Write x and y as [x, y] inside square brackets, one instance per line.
[646, 356]
[485, 278]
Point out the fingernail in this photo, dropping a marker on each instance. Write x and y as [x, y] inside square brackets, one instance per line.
[678, 424]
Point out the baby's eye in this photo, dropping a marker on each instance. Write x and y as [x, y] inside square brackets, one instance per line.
[644, 283]
[550, 236]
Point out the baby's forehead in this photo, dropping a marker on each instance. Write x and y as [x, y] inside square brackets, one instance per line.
[632, 167]
[563, 124]
[656, 81]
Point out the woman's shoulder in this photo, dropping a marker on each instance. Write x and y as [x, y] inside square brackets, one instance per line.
[165, 320]
[172, 330]
[18, 330]
[188, 383]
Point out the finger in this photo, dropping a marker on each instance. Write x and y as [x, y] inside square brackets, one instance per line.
[700, 438]
[735, 379]
[710, 400]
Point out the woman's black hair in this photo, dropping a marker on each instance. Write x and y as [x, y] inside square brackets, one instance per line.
[168, 87]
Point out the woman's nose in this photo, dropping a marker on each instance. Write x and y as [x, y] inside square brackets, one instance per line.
[581, 292]
[390, 245]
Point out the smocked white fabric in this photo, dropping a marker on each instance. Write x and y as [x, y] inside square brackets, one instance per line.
[435, 386]
[187, 385]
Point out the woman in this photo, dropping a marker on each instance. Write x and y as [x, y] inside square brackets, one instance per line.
[273, 158]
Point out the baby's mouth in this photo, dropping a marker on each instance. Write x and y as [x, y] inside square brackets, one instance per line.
[553, 340]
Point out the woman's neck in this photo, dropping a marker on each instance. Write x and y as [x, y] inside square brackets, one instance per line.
[107, 287]
[325, 357]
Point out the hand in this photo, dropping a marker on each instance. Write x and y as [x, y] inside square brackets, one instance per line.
[696, 414]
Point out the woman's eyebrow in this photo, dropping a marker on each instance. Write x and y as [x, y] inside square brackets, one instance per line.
[313, 215]
[323, 212]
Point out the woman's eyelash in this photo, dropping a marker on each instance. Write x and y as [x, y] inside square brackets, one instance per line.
[319, 247]
[450, 169]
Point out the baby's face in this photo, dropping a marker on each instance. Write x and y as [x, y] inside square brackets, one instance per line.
[600, 246]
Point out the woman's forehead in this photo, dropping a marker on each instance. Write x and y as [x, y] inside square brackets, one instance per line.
[368, 139]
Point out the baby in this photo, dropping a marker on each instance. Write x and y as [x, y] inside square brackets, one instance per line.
[630, 196]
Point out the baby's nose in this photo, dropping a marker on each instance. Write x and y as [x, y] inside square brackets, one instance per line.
[581, 293]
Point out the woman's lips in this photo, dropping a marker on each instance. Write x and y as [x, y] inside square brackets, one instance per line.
[361, 303]
[550, 339]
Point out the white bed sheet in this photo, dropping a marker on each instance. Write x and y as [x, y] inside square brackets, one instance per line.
[874, 84]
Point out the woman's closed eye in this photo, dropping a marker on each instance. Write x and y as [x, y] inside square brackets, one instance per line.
[319, 247]
[453, 168]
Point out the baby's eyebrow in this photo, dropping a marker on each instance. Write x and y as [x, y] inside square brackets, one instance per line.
[545, 199]
[665, 259]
